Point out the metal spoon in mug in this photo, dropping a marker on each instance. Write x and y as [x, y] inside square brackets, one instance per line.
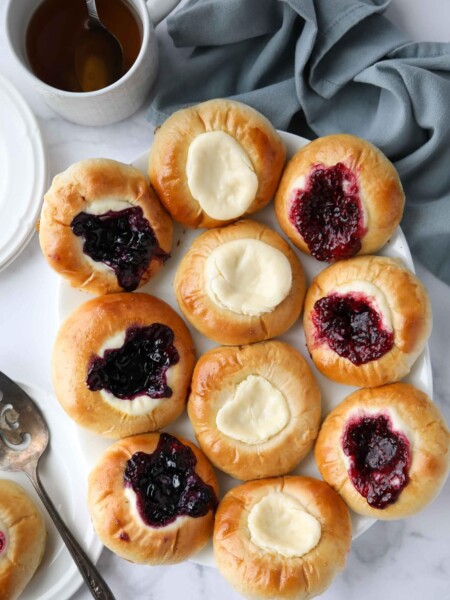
[98, 54]
[24, 437]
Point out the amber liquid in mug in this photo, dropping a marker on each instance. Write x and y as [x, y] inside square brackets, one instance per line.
[56, 27]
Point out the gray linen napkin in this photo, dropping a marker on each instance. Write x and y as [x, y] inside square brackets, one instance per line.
[316, 67]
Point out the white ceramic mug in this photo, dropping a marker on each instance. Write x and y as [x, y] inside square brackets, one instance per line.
[108, 105]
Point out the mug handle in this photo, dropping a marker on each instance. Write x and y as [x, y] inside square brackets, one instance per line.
[159, 9]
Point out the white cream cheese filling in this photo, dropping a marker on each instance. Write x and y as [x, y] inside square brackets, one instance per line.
[100, 207]
[375, 296]
[256, 412]
[140, 405]
[247, 276]
[279, 523]
[220, 175]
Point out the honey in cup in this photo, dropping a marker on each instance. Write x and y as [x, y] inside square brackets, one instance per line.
[56, 28]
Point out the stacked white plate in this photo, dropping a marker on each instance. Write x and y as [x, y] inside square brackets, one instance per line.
[23, 173]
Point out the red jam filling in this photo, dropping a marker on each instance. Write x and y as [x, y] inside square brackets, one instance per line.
[351, 327]
[328, 213]
[123, 240]
[139, 366]
[379, 459]
[2, 541]
[166, 484]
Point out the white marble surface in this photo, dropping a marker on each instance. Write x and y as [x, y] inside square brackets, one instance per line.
[401, 560]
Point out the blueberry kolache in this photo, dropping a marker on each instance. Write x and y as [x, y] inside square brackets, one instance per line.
[283, 537]
[22, 539]
[103, 228]
[385, 450]
[366, 321]
[339, 196]
[152, 498]
[122, 364]
[215, 162]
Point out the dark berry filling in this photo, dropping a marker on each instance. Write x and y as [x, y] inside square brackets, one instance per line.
[138, 367]
[379, 459]
[328, 213]
[351, 327]
[166, 484]
[123, 240]
[2, 541]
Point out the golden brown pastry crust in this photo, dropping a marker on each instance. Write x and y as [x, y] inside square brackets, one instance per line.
[116, 523]
[83, 183]
[80, 338]
[425, 429]
[168, 155]
[380, 188]
[220, 324]
[222, 369]
[411, 319]
[26, 539]
[257, 574]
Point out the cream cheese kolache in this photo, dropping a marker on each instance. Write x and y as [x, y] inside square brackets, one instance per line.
[255, 409]
[284, 538]
[215, 162]
[222, 284]
[102, 227]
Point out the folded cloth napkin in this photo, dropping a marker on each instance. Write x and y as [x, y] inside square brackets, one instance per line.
[317, 67]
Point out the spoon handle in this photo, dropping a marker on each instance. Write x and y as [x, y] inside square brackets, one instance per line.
[92, 11]
[92, 577]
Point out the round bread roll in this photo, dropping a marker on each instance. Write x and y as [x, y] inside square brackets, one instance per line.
[102, 227]
[215, 162]
[122, 364]
[22, 539]
[366, 321]
[385, 450]
[152, 498]
[240, 284]
[339, 196]
[283, 538]
[255, 409]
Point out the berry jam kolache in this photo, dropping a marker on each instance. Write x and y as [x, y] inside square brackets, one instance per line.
[103, 228]
[339, 196]
[385, 450]
[152, 498]
[122, 364]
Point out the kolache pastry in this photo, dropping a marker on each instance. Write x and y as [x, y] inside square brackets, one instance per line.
[240, 284]
[366, 321]
[102, 227]
[152, 498]
[386, 451]
[283, 538]
[122, 364]
[22, 539]
[339, 196]
[255, 409]
[215, 162]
